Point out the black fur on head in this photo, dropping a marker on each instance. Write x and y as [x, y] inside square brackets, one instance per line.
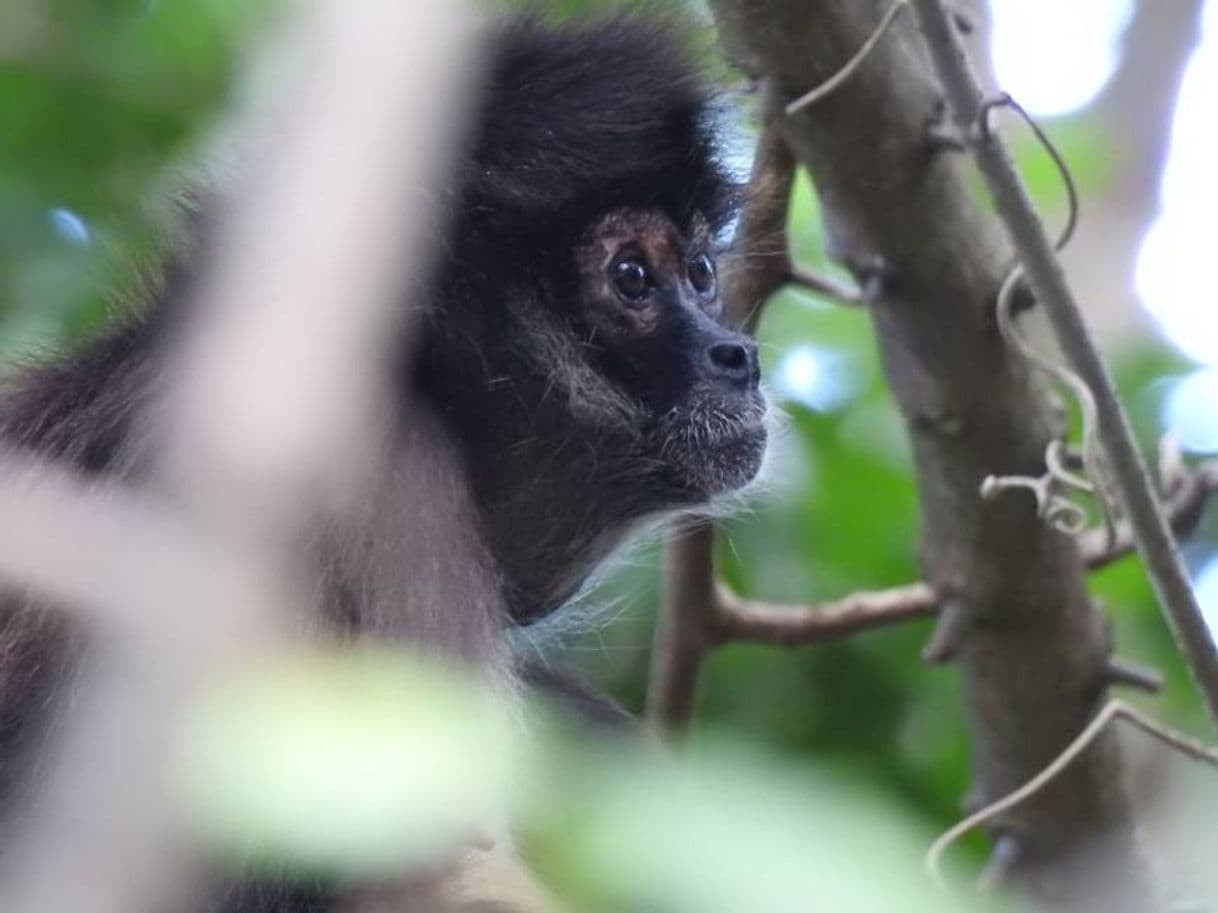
[581, 410]
[586, 117]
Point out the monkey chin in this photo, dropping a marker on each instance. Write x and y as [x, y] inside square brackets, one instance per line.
[723, 467]
[715, 446]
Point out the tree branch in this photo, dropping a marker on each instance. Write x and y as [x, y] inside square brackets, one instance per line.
[1038, 258]
[681, 638]
[831, 84]
[733, 618]
[760, 258]
[823, 285]
[790, 625]
[1030, 646]
[1182, 508]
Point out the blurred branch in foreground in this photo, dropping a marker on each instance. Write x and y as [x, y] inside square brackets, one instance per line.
[184, 582]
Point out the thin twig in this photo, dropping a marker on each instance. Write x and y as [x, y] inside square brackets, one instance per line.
[735, 618]
[761, 248]
[1183, 505]
[825, 286]
[1005, 100]
[1121, 671]
[951, 625]
[831, 84]
[1113, 710]
[1035, 250]
[731, 617]
[798, 625]
[1059, 511]
[1062, 513]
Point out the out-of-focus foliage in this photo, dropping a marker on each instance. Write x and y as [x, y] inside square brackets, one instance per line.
[102, 104]
[354, 762]
[725, 830]
[105, 105]
[374, 763]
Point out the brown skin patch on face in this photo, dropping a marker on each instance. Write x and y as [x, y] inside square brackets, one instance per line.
[652, 240]
[650, 318]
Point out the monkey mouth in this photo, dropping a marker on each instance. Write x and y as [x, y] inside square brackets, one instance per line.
[742, 432]
[714, 446]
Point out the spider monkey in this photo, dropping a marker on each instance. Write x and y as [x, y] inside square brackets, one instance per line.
[573, 363]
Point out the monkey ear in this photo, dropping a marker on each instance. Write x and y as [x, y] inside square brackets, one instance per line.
[587, 116]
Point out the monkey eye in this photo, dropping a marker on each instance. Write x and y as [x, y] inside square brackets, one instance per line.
[702, 274]
[632, 279]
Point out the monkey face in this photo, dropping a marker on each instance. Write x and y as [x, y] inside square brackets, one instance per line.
[650, 307]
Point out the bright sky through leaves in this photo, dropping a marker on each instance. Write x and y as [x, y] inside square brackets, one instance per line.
[1173, 280]
[1056, 57]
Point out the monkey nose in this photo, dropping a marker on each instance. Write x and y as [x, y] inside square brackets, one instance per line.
[734, 363]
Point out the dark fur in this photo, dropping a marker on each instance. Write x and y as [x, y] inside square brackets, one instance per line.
[510, 416]
[582, 120]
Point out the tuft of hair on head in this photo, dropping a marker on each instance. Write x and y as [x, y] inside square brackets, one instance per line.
[589, 115]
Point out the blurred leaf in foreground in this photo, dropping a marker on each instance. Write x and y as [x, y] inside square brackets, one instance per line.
[722, 830]
[352, 763]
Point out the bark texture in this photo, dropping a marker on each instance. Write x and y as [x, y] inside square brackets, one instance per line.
[1030, 645]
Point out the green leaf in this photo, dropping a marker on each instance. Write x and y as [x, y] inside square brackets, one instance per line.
[367, 762]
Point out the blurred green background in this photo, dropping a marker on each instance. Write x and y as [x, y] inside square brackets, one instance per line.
[106, 106]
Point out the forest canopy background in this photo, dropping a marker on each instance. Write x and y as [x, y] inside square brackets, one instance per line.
[107, 106]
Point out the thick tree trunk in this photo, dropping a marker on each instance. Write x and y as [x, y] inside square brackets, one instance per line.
[1030, 645]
